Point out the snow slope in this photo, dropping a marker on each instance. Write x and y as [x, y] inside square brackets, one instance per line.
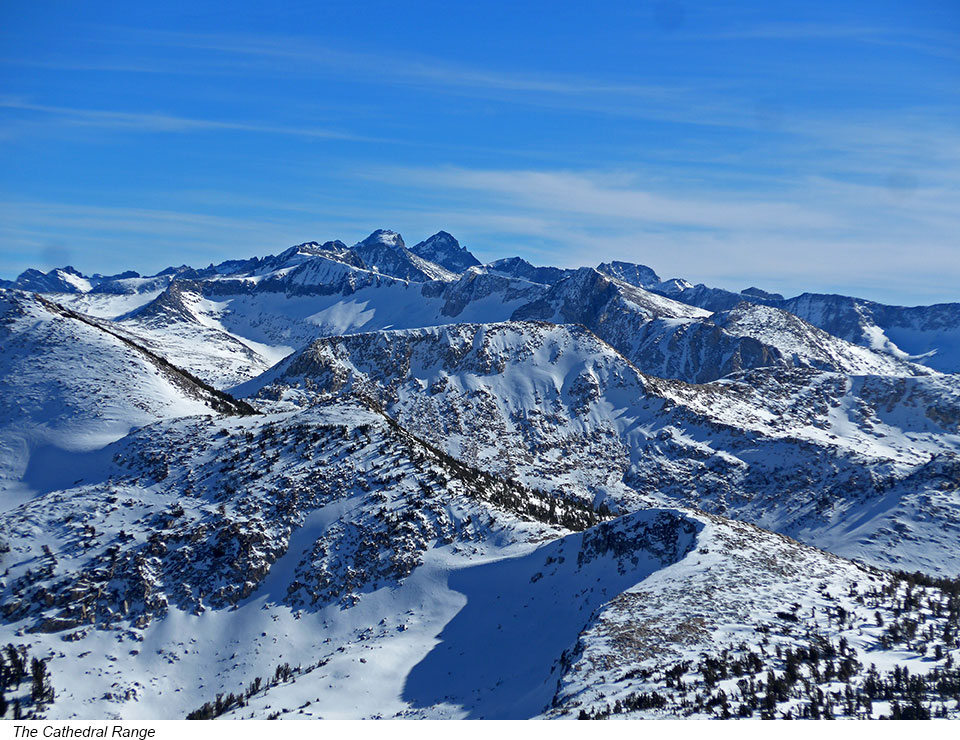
[324, 563]
[227, 334]
[67, 387]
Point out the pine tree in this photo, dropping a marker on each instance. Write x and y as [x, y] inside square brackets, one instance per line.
[41, 690]
[18, 666]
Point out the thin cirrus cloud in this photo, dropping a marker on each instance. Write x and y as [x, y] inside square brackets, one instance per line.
[700, 102]
[40, 217]
[572, 217]
[614, 196]
[311, 56]
[940, 44]
[697, 101]
[159, 122]
[94, 234]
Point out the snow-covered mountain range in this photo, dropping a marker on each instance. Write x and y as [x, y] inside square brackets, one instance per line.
[381, 481]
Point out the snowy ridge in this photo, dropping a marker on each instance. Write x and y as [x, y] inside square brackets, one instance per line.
[54, 398]
[520, 268]
[669, 339]
[227, 334]
[180, 321]
[803, 345]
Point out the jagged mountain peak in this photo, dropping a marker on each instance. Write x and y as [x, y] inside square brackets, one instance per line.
[173, 304]
[382, 236]
[629, 272]
[589, 297]
[301, 253]
[58, 280]
[384, 251]
[443, 249]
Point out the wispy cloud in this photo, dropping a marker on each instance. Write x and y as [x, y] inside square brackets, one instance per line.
[160, 122]
[95, 234]
[616, 196]
[934, 43]
[313, 55]
[703, 101]
[868, 239]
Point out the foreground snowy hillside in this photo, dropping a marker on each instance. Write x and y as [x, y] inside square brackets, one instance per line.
[327, 564]
[381, 481]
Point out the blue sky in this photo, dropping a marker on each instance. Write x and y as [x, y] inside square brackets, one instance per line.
[794, 146]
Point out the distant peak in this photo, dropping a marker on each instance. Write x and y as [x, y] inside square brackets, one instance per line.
[509, 262]
[759, 293]
[640, 276]
[520, 268]
[383, 236]
[443, 249]
[590, 274]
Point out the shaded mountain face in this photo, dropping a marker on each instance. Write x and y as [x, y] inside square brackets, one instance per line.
[929, 335]
[520, 268]
[586, 297]
[640, 276]
[670, 339]
[760, 293]
[444, 250]
[660, 336]
[58, 280]
[385, 252]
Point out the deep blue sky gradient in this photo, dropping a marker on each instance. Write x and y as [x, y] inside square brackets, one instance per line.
[795, 146]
